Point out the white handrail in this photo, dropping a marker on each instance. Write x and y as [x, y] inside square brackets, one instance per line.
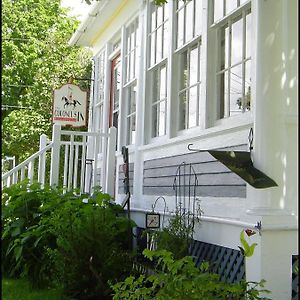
[26, 162]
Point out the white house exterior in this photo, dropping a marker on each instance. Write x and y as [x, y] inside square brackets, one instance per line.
[204, 72]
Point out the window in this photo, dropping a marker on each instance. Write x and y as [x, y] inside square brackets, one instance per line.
[189, 87]
[131, 114]
[159, 46]
[158, 36]
[233, 72]
[188, 41]
[131, 51]
[130, 85]
[159, 101]
[100, 67]
[189, 20]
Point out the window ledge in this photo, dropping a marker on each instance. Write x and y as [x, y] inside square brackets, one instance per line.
[228, 125]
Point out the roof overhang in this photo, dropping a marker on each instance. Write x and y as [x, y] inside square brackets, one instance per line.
[99, 15]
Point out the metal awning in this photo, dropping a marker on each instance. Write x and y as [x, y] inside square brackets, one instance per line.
[240, 163]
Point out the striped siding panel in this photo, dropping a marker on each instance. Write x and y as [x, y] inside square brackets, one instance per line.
[121, 178]
[214, 179]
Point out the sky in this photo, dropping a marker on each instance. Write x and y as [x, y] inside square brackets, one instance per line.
[79, 8]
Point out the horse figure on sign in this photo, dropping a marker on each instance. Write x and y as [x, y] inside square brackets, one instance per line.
[70, 101]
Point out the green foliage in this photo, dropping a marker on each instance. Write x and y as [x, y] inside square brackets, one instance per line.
[20, 129]
[13, 289]
[55, 238]
[176, 237]
[246, 249]
[36, 58]
[181, 279]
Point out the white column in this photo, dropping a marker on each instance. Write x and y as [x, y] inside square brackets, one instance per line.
[275, 142]
[55, 153]
[111, 161]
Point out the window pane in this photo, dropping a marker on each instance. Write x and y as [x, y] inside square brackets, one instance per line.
[180, 28]
[194, 66]
[163, 88]
[248, 85]
[132, 62]
[189, 21]
[182, 110]
[166, 12]
[193, 107]
[180, 3]
[159, 15]
[248, 36]
[155, 90]
[162, 118]
[237, 42]
[154, 120]
[184, 71]
[153, 17]
[230, 5]
[218, 10]
[198, 17]
[224, 32]
[152, 46]
[159, 45]
[221, 84]
[166, 41]
[236, 90]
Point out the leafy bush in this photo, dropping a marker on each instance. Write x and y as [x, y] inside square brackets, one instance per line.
[181, 279]
[54, 237]
[93, 246]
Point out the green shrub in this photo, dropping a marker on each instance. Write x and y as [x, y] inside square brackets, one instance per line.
[52, 237]
[181, 279]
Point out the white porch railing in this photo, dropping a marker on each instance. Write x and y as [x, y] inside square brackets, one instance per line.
[85, 154]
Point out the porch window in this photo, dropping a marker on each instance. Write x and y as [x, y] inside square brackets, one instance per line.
[130, 85]
[158, 37]
[233, 25]
[189, 21]
[131, 51]
[159, 101]
[189, 87]
[131, 114]
[100, 67]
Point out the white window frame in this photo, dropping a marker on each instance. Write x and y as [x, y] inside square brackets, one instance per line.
[242, 10]
[130, 78]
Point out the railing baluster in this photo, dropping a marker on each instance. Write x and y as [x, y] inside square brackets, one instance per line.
[66, 167]
[75, 167]
[71, 157]
[8, 181]
[22, 174]
[96, 151]
[42, 161]
[31, 171]
[82, 164]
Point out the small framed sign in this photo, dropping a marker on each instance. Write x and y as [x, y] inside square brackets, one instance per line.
[152, 220]
[69, 106]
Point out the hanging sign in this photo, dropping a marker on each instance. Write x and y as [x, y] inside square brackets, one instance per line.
[69, 106]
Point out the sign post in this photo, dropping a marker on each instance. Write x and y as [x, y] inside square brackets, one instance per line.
[69, 106]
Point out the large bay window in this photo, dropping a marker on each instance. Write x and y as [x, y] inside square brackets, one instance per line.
[233, 25]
